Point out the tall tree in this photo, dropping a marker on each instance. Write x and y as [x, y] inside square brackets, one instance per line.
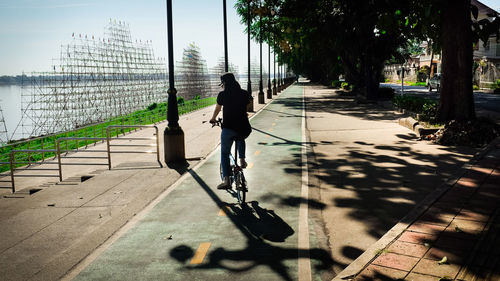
[456, 99]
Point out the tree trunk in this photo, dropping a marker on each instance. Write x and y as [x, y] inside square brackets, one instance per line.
[456, 101]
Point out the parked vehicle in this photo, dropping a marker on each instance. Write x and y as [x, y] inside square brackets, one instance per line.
[434, 83]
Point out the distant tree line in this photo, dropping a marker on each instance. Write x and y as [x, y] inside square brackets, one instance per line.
[14, 80]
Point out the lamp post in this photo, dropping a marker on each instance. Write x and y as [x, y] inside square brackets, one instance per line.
[226, 66]
[173, 136]
[261, 87]
[278, 79]
[269, 90]
[249, 83]
[274, 74]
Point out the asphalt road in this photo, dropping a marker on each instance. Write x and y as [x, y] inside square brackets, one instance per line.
[482, 100]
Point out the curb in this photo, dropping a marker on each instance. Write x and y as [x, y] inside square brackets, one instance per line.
[415, 126]
[370, 254]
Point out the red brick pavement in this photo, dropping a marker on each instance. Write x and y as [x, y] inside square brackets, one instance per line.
[463, 225]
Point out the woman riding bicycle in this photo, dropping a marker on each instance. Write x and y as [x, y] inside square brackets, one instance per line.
[235, 127]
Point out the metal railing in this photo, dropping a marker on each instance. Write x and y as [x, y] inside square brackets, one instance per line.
[14, 163]
[62, 152]
[60, 155]
[95, 130]
[156, 137]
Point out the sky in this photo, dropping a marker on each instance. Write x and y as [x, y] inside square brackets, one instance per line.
[33, 31]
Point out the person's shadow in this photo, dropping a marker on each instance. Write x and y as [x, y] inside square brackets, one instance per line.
[258, 225]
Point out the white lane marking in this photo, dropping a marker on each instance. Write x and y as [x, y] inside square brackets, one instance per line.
[305, 273]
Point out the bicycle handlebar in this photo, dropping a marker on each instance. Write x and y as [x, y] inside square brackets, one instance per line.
[217, 122]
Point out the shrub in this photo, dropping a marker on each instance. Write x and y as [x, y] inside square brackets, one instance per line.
[345, 86]
[422, 84]
[152, 106]
[335, 84]
[429, 111]
[180, 100]
[197, 97]
[475, 87]
[422, 74]
[426, 108]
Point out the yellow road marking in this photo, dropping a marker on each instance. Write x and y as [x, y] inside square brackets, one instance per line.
[274, 124]
[223, 211]
[200, 254]
[250, 165]
[257, 153]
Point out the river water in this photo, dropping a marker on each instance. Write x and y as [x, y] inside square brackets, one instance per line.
[10, 103]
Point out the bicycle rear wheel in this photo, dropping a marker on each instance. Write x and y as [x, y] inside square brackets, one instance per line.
[241, 187]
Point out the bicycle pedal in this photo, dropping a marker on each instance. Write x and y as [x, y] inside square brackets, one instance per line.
[242, 189]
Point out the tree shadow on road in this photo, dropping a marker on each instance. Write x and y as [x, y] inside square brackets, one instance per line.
[372, 184]
[263, 229]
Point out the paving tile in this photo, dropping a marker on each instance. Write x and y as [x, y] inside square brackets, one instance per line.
[419, 277]
[447, 207]
[455, 256]
[481, 206]
[417, 238]
[491, 194]
[428, 228]
[436, 219]
[457, 195]
[476, 175]
[485, 199]
[487, 163]
[492, 186]
[473, 274]
[468, 183]
[459, 234]
[493, 180]
[375, 272]
[467, 225]
[483, 170]
[396, 261]
[409, 249]
[486, 261]
[472, 216]
[454, 243]
[441, 213]
[432, 267]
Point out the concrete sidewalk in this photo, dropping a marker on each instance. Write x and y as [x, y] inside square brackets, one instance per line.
[45, 234]
[365, 173]
[453, 235]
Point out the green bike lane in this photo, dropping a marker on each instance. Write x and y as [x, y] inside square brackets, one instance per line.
[196, 232]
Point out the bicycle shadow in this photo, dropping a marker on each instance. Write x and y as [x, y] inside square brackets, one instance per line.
[263, 229]
[261, 223]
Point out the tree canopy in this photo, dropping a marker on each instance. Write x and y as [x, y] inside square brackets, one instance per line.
[322, 39]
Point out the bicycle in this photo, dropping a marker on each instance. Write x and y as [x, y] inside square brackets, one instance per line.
[236, 172]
